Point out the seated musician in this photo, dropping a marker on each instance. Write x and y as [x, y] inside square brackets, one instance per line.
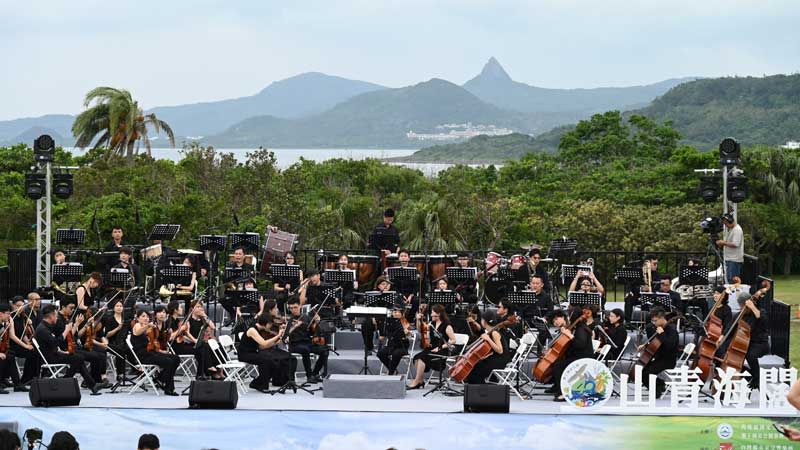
[588, 283]
[474, 325]
[24, 326]
[299, 336]
[126, 262]
[347, 288]
[116, 329]
[187, 292]
[310, 296]
[92, 337]
[467, 289]
[441, 285]
[198, 321]
[369, 325]
[614, 327]
[8, 366]
[396, 347]
[723, 311]
[409, 289]
[440, 342]
[498, 340]
[665, 287]
[49, 345]
[504, 310]
[580, 346]
[285, 287]
[544, 302]
[757, 317]
[667, 354]
[144, 340]
[252, 350]
[84, 294]
[70, 320]
[248, 269]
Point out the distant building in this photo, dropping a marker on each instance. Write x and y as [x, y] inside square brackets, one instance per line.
[460, 131]
[791, 145]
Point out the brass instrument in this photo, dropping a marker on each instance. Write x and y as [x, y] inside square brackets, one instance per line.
[648, 276]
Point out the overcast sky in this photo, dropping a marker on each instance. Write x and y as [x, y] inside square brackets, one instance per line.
[171, 52]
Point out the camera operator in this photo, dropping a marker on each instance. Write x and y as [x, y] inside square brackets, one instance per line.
[732, 243]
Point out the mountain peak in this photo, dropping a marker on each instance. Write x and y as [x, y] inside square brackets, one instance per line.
[493, 70]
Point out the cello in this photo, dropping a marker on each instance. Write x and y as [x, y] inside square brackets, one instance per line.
[479, 351]
[650, 349]
[708, 345]
[543, 371]
[737, 350]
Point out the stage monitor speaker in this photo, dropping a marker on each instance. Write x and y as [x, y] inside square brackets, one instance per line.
[55, 392]
[486, 398]
[21, 271]
[213, 395]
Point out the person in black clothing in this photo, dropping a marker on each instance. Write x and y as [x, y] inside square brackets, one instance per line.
[544, 302]
[116, 330]
[369, 325]
[441, 340]
[116, 239]
[408, 288]
[84, 294]
[126, 262]
[724, 313]
[283, 287]
[299, 337]
[580, 347]
[385, 238]
[247, 271]
[204, 356]
[504, 309]
[758, 319]
[665, 287]
[161, 358]
[49, 346]
[95, 353]
[667, 353]
[466, 289]
[498, 340]
[71, 321]
[8, 368]
[310, 292]
[21, 344]
[252, 350]
[396, 347]
[614, 327]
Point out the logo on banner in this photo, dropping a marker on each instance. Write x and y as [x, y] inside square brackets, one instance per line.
[725, 431]
[587, 383]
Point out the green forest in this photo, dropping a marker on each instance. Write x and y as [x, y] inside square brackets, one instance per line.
[616, 183]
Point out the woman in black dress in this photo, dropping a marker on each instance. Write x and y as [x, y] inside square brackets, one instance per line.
[200, 328]
[253, 350]
[441, 340]
[396, 347]
[161, 358]
[498, 339]
[615, 329]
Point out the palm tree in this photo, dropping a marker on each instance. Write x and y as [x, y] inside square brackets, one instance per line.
[119, 121]
[436, 219]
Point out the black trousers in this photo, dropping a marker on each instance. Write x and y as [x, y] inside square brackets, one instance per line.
[8, 368]
[755, 351]
[558, 370]
[305, 349]
[655, 367]
[168, 364]
[77, 364]
[97, 361]
[368, 332]
[391, 356]
[32, 363]
[484, 368]
[266, 367]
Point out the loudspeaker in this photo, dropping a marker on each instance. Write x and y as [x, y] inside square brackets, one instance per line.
[486, 398]
[21, 271]
[213, 395]
[55, 392]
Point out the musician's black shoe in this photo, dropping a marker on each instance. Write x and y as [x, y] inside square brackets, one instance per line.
[559, 398]
[171, 393]
[227, 323]
[104, 385]
[369, 352]
[20, 388]
[550, 390]
[419, 386]
[95, 389]
[314, 379]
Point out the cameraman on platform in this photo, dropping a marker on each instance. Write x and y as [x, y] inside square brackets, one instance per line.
[732, 243]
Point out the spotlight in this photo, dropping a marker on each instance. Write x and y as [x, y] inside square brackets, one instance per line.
[709, 189]
[62, 185]
[729, 152]
[737, 189]
[35, 185]
[44, 148]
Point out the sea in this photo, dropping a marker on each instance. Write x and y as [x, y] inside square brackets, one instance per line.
[285, 157]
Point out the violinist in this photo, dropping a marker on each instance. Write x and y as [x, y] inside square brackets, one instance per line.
[177, 327]
[306, 296]
[475, 328]
[8, 366]
[298, 334]
[116, 329]
[253, 350]
[580, 347]
[198, 321]
[84, 294]
[282, 287]
[397, 343]
[69, 325]
[757, 317]
[45, 335]
[21, 340]
[94, 345]
[614, 327]
[144, 340]
[667, 353]
[504, 310]
[369, 325]
[440, 341]
[32, 311]
[499, 340]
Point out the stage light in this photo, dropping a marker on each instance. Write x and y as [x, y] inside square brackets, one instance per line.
[729, 152]
[710, 189]
[737, 189]
[62, 185]
[35, 185]
[44, 149]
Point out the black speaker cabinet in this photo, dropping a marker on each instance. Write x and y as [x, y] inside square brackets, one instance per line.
[486, 398]
[55, 392]
[213, 395]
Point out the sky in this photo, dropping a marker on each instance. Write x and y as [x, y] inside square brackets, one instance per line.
[172, 52]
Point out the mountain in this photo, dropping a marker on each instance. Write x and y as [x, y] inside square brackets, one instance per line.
[382, 119]
[20, 130]
[480, 149]
[294, 97]
[495, 86]
[753, 110]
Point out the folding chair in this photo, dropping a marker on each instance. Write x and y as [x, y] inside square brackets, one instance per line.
[601, 355]
[227, 344]
[148, 371]
[406, 357]
[688, 350]
[513, 371]
[233, 370]
[55, 369]
[461, 340]
[187, 368]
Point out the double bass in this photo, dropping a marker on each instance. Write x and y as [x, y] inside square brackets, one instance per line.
[708, 345]
[543, 371]
[479, 351]
[737, 350]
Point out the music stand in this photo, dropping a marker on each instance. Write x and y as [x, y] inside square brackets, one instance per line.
[584, 299]
[181, 275]
[448, 299]
[402, 273]
[70, 272]
[119, 277]
[339, 277]
[656, 298]
[568, 271]
[523, 298]
[692, 275]
[213, 242]
[385, 299]
[379, 240]
[235, 274]
[629, 275]
[562, 246]
[164, 232]
[244, 297]
[70, 236]
[460, 275]
[285, 273]
[250, 242]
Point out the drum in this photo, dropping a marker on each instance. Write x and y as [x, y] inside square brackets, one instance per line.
[437, 265]
[365, 266]
[328, 261]
[152, 252]
[518, 261]
[493, 259]
[276, 246]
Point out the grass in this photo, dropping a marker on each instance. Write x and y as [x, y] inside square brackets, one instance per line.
[787, 290]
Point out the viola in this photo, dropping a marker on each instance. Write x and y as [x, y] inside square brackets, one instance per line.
[543, 371]
[5, 339]
[740, 344]
[479, 351]
[423, 328]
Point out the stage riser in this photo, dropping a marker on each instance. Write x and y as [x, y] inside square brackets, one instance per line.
[364, 386]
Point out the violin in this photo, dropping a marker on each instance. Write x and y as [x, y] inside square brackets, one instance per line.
[423, 328]
[737, 350]
[269, 333]
[5, 339]
[153, 344]
[543, 371]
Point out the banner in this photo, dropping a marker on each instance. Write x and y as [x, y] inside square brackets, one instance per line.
[119, 429]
